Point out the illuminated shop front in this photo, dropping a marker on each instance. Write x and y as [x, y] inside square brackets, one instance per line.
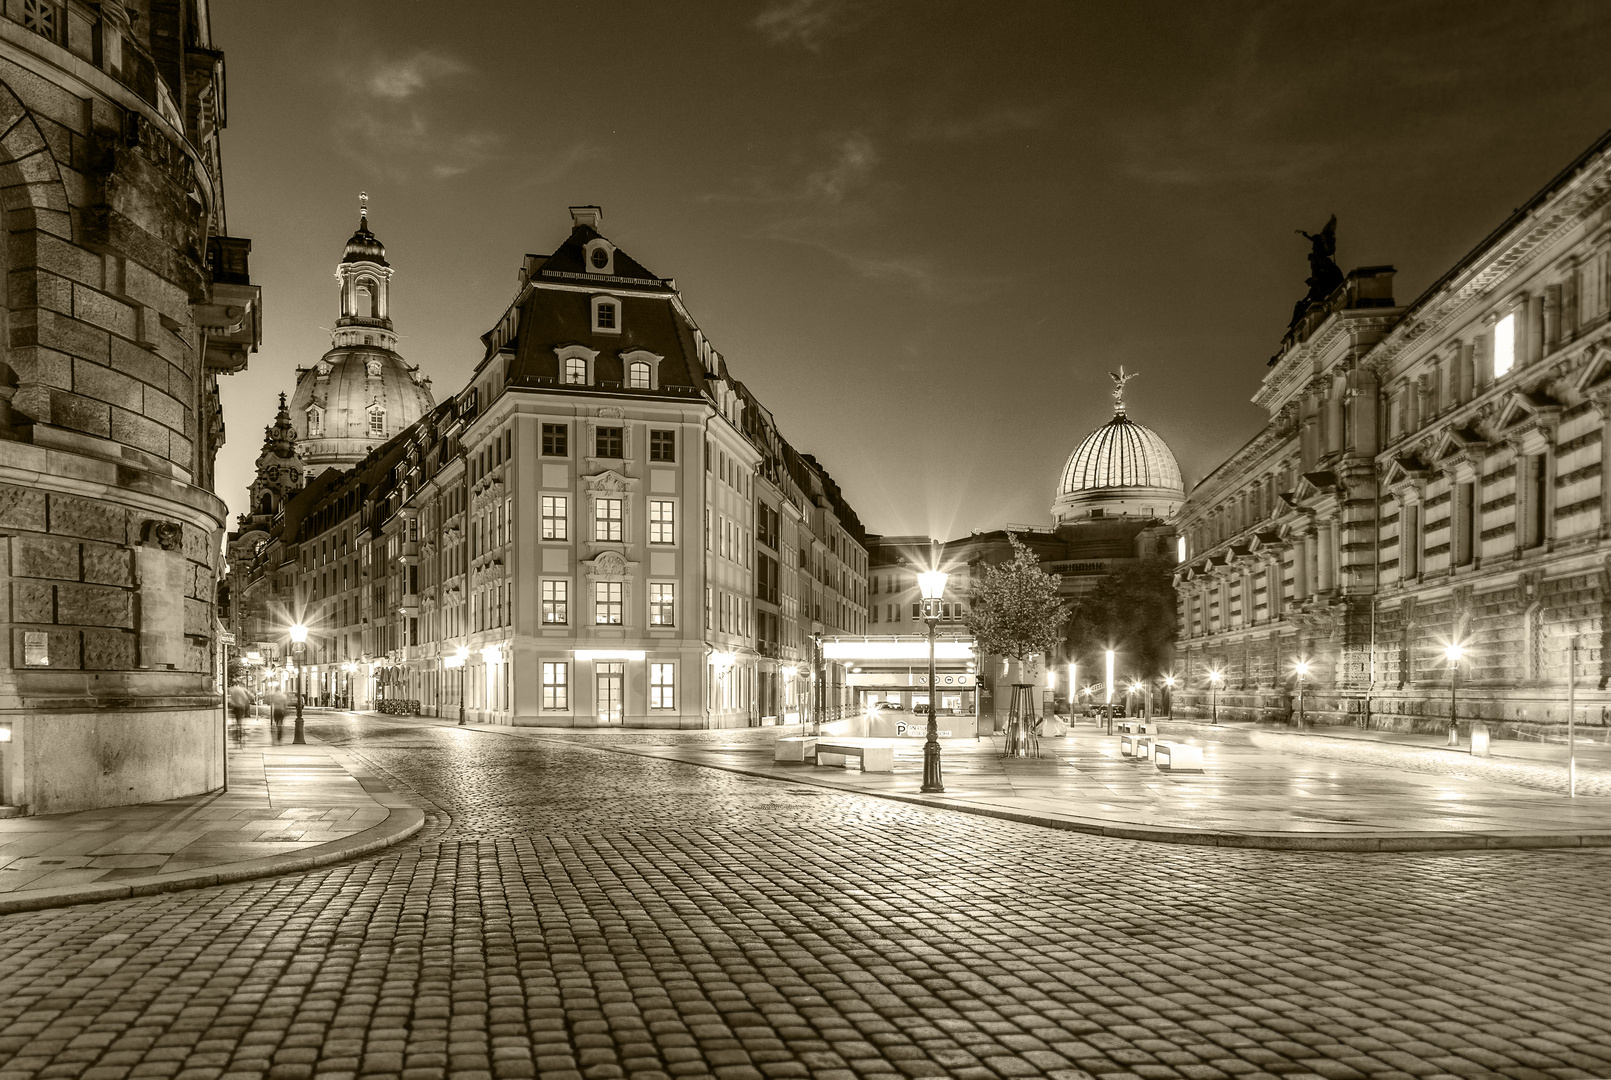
[889, 677]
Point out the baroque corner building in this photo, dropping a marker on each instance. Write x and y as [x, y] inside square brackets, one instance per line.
[124, 300]
[604, 527]
[1431, 474]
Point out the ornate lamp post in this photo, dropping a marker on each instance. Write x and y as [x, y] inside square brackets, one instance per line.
[1214, 679]
[1301, 668]
[1452, 652]
[299, 646]
[1169, 705]
[932, 585]
[457, 661]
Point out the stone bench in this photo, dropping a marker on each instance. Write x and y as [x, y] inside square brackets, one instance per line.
[1177, 756]
[873, 757]
[795, 748]
[1136, 746]
[1136, 727]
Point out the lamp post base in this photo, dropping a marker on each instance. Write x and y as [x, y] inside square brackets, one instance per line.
[931, 767]
[296, 738]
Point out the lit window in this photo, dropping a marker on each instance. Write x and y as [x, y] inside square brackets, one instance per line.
[606, 316]
[556, 691]
[576, 371]
[556, 602]
[377, 422]
[608, 442]
[607, 603]
[1180, 549]
[662, 446]
[662, 686]
[556, 441]
[1504, 345]
[662, 604]
[662, 521]
[607, 518]
[638, 375]
[315, 422]
[555, 509]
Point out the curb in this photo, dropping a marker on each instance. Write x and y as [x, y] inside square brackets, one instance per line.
[400, 823]
[1266, 841]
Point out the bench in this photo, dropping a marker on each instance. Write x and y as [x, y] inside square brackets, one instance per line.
[873, 758]
[1136, 727]
[795, 748]
[1177, 757]
[1134, 745]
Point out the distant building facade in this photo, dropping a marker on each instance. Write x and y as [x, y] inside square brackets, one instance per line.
[126, 299]
[603, 528]
[1431, 474]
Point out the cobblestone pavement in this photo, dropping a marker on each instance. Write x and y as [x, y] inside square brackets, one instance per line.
[570, 912]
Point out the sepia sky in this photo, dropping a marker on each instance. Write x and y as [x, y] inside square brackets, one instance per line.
[921, 231]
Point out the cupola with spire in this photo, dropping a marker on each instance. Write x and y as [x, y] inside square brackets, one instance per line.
[1119, 470]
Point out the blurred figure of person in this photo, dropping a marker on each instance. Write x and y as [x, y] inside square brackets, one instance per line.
[277, 702]
[240, 701]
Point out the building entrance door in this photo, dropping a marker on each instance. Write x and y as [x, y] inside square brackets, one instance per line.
[608, 691]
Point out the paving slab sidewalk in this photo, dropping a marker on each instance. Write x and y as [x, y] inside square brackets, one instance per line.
[288, 808]
[1249, 795]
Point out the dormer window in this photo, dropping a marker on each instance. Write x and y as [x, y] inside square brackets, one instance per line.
[638, 375]
[606, 315]
[598, 257]
[576, 371]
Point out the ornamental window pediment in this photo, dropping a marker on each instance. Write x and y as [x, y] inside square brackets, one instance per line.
[610, 481]
[577, 364]
[1531, 417]
[1595, 381]
[1458, 444]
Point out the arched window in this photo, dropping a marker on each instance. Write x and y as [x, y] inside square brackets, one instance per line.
[638, 375]
[576, 371]
[315, 422]
[377, 421]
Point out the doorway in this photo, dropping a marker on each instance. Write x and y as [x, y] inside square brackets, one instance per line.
[608, 679]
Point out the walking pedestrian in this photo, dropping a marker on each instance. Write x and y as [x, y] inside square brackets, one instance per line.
[277, 704]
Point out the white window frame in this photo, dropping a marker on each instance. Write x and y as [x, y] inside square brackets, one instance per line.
[663, 600]
[607, 603]
[315, 422]
[614, 302]
[633, 368]
[662, 685]
[556, 686]
[377, 412]
[663, 532]
[600, 518]
[556, 594]
[561, 504]
[574, 372]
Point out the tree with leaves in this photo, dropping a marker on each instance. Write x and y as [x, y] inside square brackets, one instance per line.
[1132, 611]
[1016, 611]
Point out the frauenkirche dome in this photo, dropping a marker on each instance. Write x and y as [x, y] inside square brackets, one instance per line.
[1121, 469]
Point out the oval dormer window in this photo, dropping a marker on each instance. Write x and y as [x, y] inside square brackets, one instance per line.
[601, 258]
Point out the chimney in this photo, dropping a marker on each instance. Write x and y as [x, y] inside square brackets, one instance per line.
[586, 215]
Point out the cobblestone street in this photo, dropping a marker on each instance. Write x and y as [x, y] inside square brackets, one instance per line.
[568, 911]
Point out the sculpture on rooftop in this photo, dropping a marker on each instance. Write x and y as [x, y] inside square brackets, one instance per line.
[1324, 273]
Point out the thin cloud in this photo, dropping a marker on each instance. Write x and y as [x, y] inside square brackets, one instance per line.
[806, 23]
[394, 118]
[1003, 121]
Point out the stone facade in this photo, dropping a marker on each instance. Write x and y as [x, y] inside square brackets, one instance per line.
[125, 299]
[1432, 474]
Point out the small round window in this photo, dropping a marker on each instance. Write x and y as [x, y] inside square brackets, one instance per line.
[601, 258]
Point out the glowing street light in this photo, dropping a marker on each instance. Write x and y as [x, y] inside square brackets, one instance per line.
[457, 661]
[1215, 677]
[1452, 652]
[299, 646]
[931, 583]
[1169, 682]
[1301, 668]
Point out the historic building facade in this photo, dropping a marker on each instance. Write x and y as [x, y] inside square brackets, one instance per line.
[603, 527]
[1432, 474]
[125, 299]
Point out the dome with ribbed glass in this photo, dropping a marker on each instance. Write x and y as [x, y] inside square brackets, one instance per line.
[1121, 469]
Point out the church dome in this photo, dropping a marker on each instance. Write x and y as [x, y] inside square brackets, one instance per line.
[1120, 469]
[353, 400]
[365, 246]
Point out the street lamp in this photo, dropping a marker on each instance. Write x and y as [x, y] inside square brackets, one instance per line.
[1452, 652]
[299, 646]
[457, 661]
[1215, 677]
[1301, 667]
[1169, 685]
[932, 585]
[1107, 702]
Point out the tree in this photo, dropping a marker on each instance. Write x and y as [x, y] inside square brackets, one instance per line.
[1132, 611]
[237, 670]
[1016, 612]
